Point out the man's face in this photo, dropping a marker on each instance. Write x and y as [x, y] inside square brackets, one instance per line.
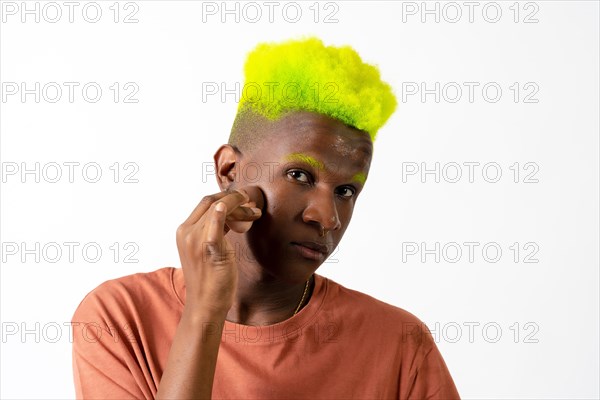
[311, 169]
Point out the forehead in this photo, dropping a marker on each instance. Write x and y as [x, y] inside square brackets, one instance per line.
[325, 139]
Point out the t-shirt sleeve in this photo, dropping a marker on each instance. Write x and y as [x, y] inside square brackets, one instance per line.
[108, 360]
[429, 376]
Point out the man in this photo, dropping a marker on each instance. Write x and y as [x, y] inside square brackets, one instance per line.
[247, 316]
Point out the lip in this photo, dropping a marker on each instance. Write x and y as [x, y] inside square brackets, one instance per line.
[311, 250]
[320, 247]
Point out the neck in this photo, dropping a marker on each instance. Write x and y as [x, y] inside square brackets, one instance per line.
[262, 299]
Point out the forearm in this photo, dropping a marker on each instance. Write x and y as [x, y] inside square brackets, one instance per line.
[192, 360]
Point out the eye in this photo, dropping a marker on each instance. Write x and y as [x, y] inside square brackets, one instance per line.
[299, 175]
[347, 191]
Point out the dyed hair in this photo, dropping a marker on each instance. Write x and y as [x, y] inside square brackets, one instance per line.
[306, 75]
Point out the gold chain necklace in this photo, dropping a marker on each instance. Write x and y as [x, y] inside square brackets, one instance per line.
[303, 296]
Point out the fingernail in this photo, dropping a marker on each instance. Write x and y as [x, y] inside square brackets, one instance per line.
[256, 210]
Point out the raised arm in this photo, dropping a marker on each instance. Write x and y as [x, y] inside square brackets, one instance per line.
[210, 272]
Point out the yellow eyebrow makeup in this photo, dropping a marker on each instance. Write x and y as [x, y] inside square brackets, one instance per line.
[306, 159]
[360, 177]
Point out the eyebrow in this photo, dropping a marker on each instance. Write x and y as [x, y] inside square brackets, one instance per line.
[305, 158]
[359, 177]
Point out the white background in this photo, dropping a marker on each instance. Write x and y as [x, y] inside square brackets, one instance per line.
[547, 311]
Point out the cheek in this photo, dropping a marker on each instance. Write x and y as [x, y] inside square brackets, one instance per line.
[345, 215]
[281, 202]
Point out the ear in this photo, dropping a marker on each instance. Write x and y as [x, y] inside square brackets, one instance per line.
[226, 161]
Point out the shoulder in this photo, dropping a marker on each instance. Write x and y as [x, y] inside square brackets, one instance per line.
[135, 291]
[119, 331]
[379, 316]
[360, 302]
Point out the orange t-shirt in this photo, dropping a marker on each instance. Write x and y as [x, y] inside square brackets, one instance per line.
[342, 344]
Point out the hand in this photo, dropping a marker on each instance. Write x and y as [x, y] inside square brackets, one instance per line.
[207, 258]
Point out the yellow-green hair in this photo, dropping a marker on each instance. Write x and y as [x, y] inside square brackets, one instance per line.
[306, 75]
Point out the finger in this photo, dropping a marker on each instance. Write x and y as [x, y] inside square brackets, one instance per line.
[239, 226]
[233, 200]
[256, 195]
[204, 205]
[215, 230]
[243, 213]
[241, 219]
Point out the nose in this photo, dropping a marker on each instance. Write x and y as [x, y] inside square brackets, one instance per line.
[322, 211]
